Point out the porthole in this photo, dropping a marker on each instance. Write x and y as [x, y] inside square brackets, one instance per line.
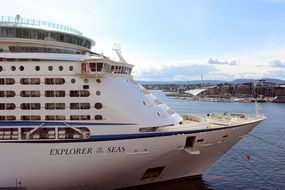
[73, 81]
[71, 68]
[98, 80]
[98, 93]
[37, 68]
[98, 117]
[85, 81]
[1, 68]
[98, 105]
[50, 68]
[21, 68]
[60, 68]
[13, 68]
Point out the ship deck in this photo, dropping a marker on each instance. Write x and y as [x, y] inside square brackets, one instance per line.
[218, 120]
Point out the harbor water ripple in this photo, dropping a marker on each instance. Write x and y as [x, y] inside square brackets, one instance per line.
[256, 162]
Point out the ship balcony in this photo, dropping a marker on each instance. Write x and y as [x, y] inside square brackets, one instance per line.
[103, 68]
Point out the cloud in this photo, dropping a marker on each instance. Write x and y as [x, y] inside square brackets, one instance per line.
[176, 72]
[278, 64]
[215, 61]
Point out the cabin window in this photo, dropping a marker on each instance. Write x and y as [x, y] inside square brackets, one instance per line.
[50, 68]
[98, 117]
[13, 68]
[99, 67]
[7, 94]
[10, 94]
[71, 68]
[59, 81]
[10, 117]
[30, 106]
[56, 81]
[1, 68]
[55, 117]
[7, 106]
[112, 68]
[98, 105]
[10, 81]
[37, 68]
[79, 106]
[21, 68]
[83, 68]
[79, 93]
[9, 134]
[54, 93]
[80, 117]
[98, 80]
[59, 93]
[30, 81]
[49, 93]
[31, 117]
[73, 81]
[30, 93]
[7, 81]
[98, 93]
[49, 81]
[60, 68]
[57, 106]
[7, 117]
[2, 106]
[92, 67]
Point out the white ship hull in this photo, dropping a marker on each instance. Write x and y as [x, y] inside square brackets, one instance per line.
[113, 163]
[74, 119]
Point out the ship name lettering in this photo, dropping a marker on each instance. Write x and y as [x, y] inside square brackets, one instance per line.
[117, 149]
[70, 151]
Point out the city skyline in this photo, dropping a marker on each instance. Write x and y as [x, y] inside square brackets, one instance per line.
[176, 40]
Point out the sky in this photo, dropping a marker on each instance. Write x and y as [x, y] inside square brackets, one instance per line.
[169, 40]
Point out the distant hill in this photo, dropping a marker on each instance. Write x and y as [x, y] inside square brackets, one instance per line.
[276, 81]
[236, 81]
[181, 82]
[272, 80]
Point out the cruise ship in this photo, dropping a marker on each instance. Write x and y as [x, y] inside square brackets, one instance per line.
[74, 119]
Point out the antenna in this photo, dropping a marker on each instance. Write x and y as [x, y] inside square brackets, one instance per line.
[117, 49]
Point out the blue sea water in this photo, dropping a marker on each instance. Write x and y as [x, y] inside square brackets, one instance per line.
[265, 145]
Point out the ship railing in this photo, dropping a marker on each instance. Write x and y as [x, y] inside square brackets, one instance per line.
[23, 21]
